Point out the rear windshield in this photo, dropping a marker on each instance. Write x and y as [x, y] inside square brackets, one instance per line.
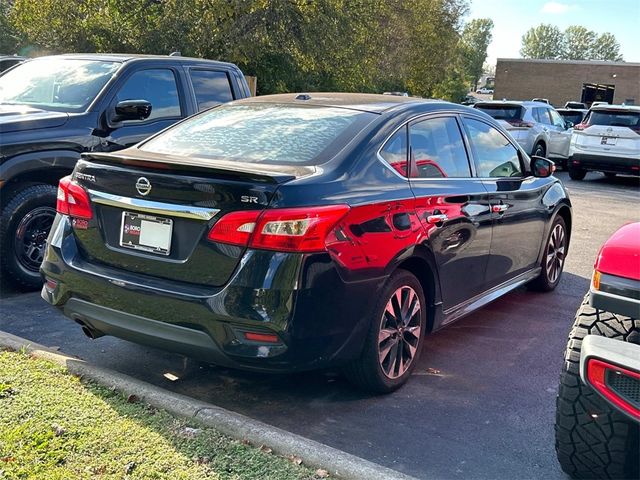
[614, 118]
[502, 112]
[263, 133]
[573, 117]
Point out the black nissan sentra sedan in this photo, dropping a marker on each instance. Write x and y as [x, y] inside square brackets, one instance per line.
[291, 232]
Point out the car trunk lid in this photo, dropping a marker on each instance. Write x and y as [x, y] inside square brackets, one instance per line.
[153, 213]
[610, 131]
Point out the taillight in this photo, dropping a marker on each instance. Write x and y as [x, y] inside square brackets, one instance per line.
[283, 229]
[73, 200]
[520, 123]
[580, 126]
[615, 383]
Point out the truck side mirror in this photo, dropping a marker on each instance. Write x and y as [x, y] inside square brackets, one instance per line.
[131, 110]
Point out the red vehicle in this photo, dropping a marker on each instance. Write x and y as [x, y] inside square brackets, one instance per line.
[598, 405]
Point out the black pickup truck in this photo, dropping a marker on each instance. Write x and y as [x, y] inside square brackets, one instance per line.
[52, 109]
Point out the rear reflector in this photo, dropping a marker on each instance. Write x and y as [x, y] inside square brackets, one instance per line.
[599, 375]
[73, 200]
[261, 337]
[283, 229]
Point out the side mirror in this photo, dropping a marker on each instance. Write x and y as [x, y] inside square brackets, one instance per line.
[131, 110]
[542, 167]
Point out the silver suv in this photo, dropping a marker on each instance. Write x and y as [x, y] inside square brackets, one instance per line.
[536, 126]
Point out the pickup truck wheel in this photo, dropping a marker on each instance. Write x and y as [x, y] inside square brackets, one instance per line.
[577, 173]
[553, 259]
[24, 227]
[393, 343]
[593, 440]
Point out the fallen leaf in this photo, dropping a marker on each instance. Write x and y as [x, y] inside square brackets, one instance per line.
[295, 460]
[188, 432]
[58, 430]
[265, 449]
[132, 398]
[129, 467]
[320, 473]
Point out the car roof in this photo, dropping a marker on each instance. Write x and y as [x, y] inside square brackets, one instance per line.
[564, 110]
[367, 102]
[129, 57]
[629, 108]
[523, 103]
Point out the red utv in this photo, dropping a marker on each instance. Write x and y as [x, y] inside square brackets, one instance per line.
[598, 405]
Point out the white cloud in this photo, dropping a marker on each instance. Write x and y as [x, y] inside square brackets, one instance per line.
[557, 8]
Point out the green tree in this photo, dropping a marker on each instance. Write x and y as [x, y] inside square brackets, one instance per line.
[543, 41]
[578, 43]
[606, 47]
[475, 40]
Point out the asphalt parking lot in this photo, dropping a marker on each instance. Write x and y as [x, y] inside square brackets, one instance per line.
[481, 403]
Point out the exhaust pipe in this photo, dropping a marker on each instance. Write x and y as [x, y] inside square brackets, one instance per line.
[88, 331]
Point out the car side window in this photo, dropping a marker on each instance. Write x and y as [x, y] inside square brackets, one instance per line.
[556, 119]
[157, 86]
[211, 87]
[494, 155]
[541, 115]
[394, 151]
[437, 149]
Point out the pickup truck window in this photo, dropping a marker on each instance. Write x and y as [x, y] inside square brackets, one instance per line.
[58, 84]
[157, 86]
[211, 87]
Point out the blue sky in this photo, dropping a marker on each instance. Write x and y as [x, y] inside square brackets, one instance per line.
[512, 18]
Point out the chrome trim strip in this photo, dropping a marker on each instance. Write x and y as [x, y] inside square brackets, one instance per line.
[482, 299]
[149, 206]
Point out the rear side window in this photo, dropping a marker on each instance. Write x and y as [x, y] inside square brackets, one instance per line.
[211, 87]
[263, 133]
[157, 86]
[493, 153]
[614, 118]
[394, 151]
[502, 112]
[437, 149]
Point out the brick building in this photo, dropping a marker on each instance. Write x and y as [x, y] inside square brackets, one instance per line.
[564, 80]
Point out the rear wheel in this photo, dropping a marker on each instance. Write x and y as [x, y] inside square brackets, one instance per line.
[593, 440]
[609, 174]
[577, 173]
[24, 227]
[395, 336]
[553, 259]
[539, 150]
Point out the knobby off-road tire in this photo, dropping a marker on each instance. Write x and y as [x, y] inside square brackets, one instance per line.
[24, 225]
[593, 440]
[394, 333]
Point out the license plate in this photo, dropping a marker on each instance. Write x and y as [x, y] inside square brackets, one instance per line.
[146, 232]
[608, 140]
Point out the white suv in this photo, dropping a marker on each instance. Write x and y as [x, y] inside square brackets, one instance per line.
[607, 140]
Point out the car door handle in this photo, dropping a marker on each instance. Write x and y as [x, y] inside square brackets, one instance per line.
[435, 219]
[499, 208]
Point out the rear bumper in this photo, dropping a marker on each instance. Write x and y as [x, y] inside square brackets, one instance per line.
[319, 319]
[605, 163]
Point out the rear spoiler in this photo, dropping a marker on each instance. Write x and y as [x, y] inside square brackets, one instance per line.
[262, 173]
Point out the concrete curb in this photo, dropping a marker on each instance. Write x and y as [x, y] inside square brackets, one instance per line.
[313, 454]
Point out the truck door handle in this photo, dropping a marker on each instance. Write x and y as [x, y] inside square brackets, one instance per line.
[439, 218]
[501, 208]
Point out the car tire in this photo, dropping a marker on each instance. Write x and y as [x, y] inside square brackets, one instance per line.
[609, 174]
[577, 173]
[25, 222]
[539, 150]
[555, 251]
[381, 367]
[593, 440]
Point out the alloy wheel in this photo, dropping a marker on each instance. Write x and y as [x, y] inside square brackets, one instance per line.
[399, 333]
[556, 253]
[31, 237]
